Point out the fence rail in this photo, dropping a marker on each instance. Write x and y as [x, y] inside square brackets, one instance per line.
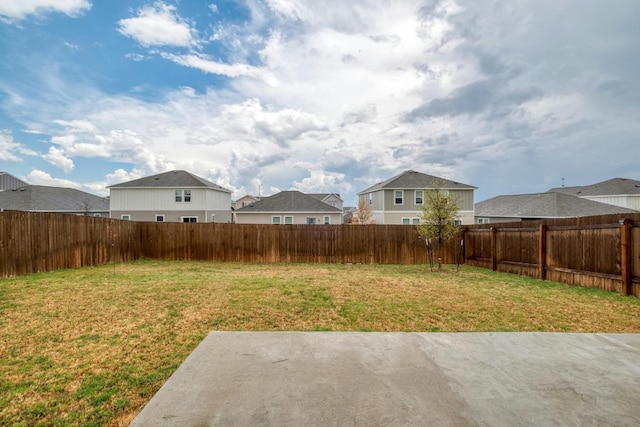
[601, 252]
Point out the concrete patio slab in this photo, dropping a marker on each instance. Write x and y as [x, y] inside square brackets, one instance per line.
[403, 379]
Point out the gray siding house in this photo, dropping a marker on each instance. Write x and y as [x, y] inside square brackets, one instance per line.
[175, 196]
[521, 207]
[617, 191]
[289, 207]
[9, 182]
[399, 199]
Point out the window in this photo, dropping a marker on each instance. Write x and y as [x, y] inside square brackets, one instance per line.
[98, 215]
[183, 196]
[370, 198]
[483, 220]
[311, 221]
[419, 199]
[275, 220]
[327, 219]
[457, 222]
[398, 197]
[410, 221]
[125, 217]
[213, 217]
[159, 218]
[288, 220]
[189, 219]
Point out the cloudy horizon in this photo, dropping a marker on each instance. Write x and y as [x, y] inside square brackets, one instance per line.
[320, 96]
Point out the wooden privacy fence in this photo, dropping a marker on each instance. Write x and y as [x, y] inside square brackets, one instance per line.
[36, 242]
[601, 252]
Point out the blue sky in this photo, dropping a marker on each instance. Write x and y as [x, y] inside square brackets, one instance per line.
[320, 96]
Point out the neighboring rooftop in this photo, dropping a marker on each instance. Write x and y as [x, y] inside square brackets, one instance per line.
[39, 198]
[171, 179]
[289, 201]
[411, 179]
[611, 187]
[543, 205]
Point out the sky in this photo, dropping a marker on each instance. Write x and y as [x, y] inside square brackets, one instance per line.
[319, 96]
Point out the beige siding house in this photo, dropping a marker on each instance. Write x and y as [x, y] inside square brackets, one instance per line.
[399, 199]
[621, 192]
[175, 196]
[289, 207]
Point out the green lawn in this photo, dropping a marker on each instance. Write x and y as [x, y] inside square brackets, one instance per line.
[91, 346]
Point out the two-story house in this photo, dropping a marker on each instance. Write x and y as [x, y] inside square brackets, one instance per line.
[400, 199]
[175, 196]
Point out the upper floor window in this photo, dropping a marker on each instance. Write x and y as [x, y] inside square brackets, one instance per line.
[419, 200]
[183, 196]
[275, 220]
[288, 220]
[410, 221]
[398, 197]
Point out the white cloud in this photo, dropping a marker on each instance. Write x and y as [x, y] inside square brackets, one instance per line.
[158, 25]
[58, 158]
[19, 9]
[38, 177]
[207, 65]
[9, 148]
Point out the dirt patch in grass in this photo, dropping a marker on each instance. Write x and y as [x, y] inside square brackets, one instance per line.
[91, 346]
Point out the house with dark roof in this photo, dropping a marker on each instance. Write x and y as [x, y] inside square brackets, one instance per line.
[521, 207]
[40, 198]
[289, 207]
[9, 182]
[617, 191]
[175, 196]
[400, 199]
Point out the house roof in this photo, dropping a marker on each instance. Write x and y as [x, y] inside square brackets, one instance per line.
[543, 205]
[411, 180]
[171, 179]
[289, 201]
[323, 196]
[39, 198]
[611, 187]
[9, 182]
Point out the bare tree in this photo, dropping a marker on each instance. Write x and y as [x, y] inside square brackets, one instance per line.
[437, 224]
[364, 214]
[85, 207]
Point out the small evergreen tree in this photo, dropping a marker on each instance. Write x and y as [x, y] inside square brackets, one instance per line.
[439, 212]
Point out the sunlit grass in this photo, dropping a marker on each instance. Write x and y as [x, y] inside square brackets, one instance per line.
[91, 346]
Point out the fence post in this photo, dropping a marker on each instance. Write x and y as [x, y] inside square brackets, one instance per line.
[494, 250]
[542, 252]
[625, 256]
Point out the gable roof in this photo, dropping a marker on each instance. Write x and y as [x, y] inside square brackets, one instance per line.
[544, 205]
[416, 180]
[611, 187]
[40, 198]
[288, 201]
[171, 179]
[9, 182]
[324, 196]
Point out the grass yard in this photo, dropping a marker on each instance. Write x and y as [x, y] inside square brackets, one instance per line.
[91, 346]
